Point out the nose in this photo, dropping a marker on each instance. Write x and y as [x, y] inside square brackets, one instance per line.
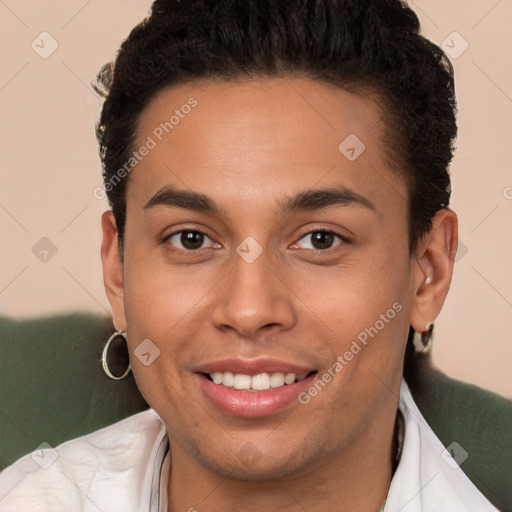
[254, 298]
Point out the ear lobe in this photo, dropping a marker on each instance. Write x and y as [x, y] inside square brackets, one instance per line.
[112, 269]
[433, 269]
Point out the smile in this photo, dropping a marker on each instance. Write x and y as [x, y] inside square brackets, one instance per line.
[255, 388]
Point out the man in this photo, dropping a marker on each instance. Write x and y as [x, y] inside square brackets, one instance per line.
[278, 179]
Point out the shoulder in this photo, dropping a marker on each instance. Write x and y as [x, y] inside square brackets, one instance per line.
[477, 420]
[430, 476]
[86, 473]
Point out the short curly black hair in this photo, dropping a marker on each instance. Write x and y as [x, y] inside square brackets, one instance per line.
[358, 45]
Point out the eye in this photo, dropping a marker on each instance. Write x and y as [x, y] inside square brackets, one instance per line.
[190, 239]
[323, 239]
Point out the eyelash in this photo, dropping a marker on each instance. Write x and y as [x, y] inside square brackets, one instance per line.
[343, 239]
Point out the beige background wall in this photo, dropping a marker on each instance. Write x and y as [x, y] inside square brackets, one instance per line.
[49, 167]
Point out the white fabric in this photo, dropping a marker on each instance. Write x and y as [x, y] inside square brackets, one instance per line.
[115, 469]
[426, 480]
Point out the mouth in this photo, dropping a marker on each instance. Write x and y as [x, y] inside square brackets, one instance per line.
[253, 389]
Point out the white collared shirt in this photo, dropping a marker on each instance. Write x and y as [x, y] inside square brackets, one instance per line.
[125, 468]
[428, 478]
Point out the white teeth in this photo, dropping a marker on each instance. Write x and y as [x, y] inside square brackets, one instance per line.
[228, 379]
[216, 377]
[277, 380]
[260, 382]
[242, 381]
[290, 378]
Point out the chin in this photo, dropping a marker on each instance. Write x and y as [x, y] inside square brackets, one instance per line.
[254, 461]
[268, 470]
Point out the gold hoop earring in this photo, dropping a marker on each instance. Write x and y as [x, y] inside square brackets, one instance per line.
[423, 340]
[115, 358]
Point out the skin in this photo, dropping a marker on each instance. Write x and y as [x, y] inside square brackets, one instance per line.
[248, 145]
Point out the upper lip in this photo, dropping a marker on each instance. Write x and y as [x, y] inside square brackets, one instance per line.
[252, 366]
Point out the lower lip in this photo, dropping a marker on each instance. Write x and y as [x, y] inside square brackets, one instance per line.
[253, 404]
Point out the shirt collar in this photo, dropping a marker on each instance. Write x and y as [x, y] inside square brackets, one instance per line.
[158, 497]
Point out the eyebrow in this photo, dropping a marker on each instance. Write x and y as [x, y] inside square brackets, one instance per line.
[307, 200]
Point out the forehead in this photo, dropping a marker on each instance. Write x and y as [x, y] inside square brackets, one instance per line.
[257, 139]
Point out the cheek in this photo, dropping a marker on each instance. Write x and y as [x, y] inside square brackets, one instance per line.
[160, 304]
[355, 294]
[367, 309]
[158, 295]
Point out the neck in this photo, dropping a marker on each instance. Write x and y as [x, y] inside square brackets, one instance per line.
[354, 478]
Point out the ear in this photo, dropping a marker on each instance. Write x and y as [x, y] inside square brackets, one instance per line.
[433, 268]
[113, 269]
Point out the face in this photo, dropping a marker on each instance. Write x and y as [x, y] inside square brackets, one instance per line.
[262, 239]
